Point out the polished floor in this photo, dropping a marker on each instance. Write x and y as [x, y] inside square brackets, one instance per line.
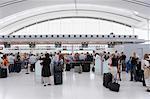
[75, 86]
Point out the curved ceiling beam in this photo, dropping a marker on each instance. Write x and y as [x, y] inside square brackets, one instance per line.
[78, 10]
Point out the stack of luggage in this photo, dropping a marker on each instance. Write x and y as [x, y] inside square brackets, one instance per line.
[58, 78]
[107, 82]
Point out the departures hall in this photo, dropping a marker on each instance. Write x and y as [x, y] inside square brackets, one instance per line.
[74, 49]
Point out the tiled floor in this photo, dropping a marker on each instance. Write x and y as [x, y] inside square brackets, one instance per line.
[75, 86]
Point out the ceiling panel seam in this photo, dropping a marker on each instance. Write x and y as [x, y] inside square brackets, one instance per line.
[142, 2]
[137, 3]
[11, 2]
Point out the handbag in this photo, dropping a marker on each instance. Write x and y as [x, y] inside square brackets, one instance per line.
[147, 73]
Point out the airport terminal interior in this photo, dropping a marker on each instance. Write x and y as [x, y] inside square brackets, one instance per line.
[74, 49]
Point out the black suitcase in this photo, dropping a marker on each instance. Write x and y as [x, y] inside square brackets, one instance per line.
[17, 67]
[139, 75]
[86, 67]
[58, 68]
[68, 67]
[58, 79]
[3, 73]
[107, 77]
[114, 86]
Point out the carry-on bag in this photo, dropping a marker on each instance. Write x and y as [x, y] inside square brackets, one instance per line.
[58, 78]
[3, 72]
[107, 77]
[68, 67]
[113, 86]
[86, 67]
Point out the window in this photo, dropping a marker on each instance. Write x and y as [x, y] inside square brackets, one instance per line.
[75, 26]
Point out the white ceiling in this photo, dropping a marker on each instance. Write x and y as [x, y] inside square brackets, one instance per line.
[14, 6]
[128, 8]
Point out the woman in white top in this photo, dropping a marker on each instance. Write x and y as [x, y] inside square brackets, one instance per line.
[98, 62]
[146, 67]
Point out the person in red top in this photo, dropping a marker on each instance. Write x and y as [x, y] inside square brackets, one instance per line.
[5, 61]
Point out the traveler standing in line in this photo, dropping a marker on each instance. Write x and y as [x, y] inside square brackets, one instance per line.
[17, 67]
[5, 65]
[98, 62]
[146, 67]
[32, 61]
[134, 60]
[119, 67]
[123, 59]
[11, 60]
[46, 70]
[114, 66]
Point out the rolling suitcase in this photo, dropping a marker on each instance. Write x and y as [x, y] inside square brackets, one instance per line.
[17, 67]
[3, 72]
[58, 79]
[86, 67]
[107, 77]
[139, 75]
[68, 67]
[114, 86]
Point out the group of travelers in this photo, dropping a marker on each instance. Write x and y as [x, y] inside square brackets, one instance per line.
[115, 63]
